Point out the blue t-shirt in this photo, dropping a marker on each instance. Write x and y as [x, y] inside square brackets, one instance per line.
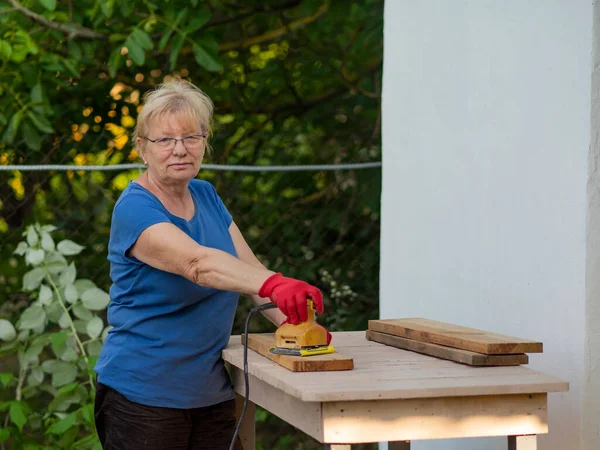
[165, 347]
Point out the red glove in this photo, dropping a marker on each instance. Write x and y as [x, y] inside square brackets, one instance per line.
[290, 296]
[326, 330]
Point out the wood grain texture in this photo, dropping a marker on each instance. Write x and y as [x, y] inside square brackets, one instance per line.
[261, 343]
[383, 372]
[456, 336]
[449, 353]
[451, 417]
[247, 433]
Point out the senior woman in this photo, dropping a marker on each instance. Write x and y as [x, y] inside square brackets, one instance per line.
[178, 263]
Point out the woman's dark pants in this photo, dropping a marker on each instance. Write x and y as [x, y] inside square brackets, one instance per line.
[125, 425]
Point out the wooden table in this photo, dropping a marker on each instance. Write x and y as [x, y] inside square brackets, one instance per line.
[396, 396]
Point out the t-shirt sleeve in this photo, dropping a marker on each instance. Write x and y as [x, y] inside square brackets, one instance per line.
[221, 206]
[132, 215]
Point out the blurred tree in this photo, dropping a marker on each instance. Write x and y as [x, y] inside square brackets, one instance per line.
[293, 81]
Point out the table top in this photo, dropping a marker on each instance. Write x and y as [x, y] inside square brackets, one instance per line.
[382, 372]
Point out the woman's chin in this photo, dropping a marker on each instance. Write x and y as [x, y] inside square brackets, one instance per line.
[183, 171]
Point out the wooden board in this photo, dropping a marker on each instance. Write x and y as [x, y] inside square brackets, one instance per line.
[383, 372]
[449, 335]
[451, 354]
[261, 343]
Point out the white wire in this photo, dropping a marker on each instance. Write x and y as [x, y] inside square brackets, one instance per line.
[309, 167]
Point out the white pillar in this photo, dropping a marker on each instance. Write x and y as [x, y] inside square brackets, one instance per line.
[486, 133]
[590, 423]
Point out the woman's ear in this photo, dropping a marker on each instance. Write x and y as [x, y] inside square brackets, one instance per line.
[140, 146]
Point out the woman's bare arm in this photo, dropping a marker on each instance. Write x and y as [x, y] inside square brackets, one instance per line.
[166, 247]
[246, 254]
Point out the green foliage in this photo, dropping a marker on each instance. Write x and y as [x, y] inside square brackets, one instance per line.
[56, 339]
[293, 82]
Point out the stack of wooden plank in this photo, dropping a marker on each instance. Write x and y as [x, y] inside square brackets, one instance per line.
[453, 342]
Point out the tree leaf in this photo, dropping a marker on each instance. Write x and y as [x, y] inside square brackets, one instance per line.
[95, 299]
[32, 237]
[200, 19]
[6, 378]
[55, 262]
[72, 67]
[80, 326]
[64, 322]
[58, 342]
[68, 275]
[4, 434]
[48, 228]
[94, 327]
[105, 332]
[87, 413]
[35, 377]
[114, 62]
[5, 49]
[54, 312]
[107, 7]
[142, 38]
[36, 94]
[13, 127]
[135, 52]
[81, 312]
[21, 248]
[30, 357]
[32, 317]
[40, 122]
[33, 139]
[34, 257]
[45, 295]
[18, 414]
[206, 58]
[69, 355]
[83, 284]
[68, 247]
[50, 5]
[63, 425]
[62, 402]
[165, 39]
[7, 330]
[33, 278]
[68, 388]
[71, 294]
[49, 365]
[47, 241]
[176, 44]
[74, 50]
[94, 347]
[63, 373]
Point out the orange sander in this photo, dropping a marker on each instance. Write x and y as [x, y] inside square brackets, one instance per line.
[305, 339]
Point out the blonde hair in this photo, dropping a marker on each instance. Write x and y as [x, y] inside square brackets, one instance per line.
[180, 98]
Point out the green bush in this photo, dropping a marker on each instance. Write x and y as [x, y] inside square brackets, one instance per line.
[48, 398]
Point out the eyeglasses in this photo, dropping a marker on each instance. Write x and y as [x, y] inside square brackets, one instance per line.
[193, 141]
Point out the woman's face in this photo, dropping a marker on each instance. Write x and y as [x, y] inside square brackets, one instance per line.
[172, 164]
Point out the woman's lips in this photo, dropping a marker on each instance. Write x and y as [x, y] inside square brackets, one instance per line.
[178, 165]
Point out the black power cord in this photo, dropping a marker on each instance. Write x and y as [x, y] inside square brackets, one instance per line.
[246, 384]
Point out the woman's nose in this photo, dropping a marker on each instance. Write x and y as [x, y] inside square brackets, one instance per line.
[179, 148]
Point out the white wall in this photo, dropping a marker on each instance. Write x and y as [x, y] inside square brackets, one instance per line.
[590, 426]
[486, 131]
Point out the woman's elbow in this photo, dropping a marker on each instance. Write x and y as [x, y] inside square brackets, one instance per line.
[198, 269]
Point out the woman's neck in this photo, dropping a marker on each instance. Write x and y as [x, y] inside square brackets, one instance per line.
[174, 193]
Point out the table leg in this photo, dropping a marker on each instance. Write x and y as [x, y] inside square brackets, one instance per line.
[247, 428]
[527, 442]
[399, 445]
